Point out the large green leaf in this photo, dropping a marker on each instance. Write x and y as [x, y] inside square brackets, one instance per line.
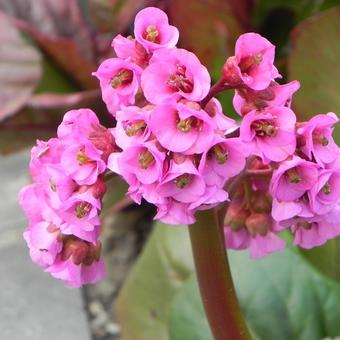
[314, 61]
[144, 301]
[282, 298]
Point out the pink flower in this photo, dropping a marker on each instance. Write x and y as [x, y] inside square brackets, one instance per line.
[44, 242]
[80, 215]
[246, 99]
[152, 29]
[140, 163]
[175, 213]
[129, 48]
[119, 82]
[43, 154]
[270, 134]
[181, 128]
[78, 124]
[79, 263]
[293, 179]
[175, 73]
[224, 123]
[313, 232]
[83, 163]
[182, 183]
[316, 138]
[325, 193]
[132, 125]
[252, 64]
[224, 159]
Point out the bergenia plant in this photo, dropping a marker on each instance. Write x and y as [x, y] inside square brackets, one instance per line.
[237, 184]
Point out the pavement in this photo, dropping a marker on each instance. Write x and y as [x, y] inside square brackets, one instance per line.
[33, 305]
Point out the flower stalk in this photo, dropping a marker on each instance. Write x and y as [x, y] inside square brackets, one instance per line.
[214, 279]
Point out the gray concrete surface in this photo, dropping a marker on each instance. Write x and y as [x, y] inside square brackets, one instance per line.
[33, 306]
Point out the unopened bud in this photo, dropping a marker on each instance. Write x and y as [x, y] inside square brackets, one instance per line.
[258, 223]
[103, 140]
[236, 215]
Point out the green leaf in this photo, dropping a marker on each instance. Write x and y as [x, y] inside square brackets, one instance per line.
[281, 296]
[187, 319]
[314, 61]
[144, 301]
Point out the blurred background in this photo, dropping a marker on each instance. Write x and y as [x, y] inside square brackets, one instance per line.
[48, 50]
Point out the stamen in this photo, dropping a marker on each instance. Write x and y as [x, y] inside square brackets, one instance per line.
[179, 82]
[52, 185]
[123, 77]
[293, 176]
[320, 139]
[82, 209]
[146, 159]
[152, 34]
[326, 189]
[247, 63]
[182, 181]
[221, 155]
[135, 128]
[264, 128]
[82, 158]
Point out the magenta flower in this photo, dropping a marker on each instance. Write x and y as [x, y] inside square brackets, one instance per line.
[83, 163]
[132, 126]
[253, 63]
[44, 242]
[325, 193]
[293, 179]
[175, 73]
[130, 49]
[182, 183]
[246, 99]
[119, 82]
[270, 134]
[316, 138]
[152, 29]
[224, 159]
[181, 128]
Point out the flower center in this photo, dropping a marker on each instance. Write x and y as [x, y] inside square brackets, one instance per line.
[52, 185]
[326, 189]
[82, 209]
[123, 77]
[182, 181]
[320, 139]
[186, 125]
[82, 158]
[293, 176]
[135, 128]
[264, 128]
[247, 63]
[152, 34]
[179, 82]
[220, 154]
[304, 225]
[146, 159]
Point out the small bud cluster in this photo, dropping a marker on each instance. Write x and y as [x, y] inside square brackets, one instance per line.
[64, 202]
[174, 151]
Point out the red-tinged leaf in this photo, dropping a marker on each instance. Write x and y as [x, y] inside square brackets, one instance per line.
[116, 16]
[55, 19]
[314, 61]
[210, 27]
[20, 69]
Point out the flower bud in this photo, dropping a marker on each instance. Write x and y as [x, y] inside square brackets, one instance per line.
[236, 215]
[258, 223]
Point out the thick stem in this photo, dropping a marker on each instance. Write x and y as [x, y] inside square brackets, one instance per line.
[215, 89]
[214, 279]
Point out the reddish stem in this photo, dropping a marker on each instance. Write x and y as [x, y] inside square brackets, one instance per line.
[214, 279]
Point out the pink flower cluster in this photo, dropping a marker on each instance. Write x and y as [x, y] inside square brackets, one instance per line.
[292, 178]
[174, 151]
[63, 203]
